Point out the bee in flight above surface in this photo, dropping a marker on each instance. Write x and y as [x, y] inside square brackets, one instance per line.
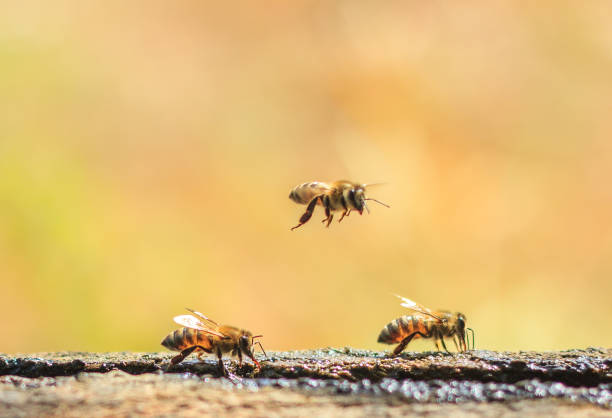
[203, 335]
[340, 195]
[425, 323]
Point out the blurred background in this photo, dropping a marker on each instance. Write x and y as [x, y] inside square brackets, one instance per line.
[147, 150]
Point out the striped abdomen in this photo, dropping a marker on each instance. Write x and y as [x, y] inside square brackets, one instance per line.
[398, 329]
[184, 338]
[305, 192]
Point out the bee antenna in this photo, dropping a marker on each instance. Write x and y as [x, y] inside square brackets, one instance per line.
[379, 202]
[262, 349]
[259, 343]
[472, 331]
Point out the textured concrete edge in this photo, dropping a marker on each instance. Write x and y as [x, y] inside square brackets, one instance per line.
[589, 367]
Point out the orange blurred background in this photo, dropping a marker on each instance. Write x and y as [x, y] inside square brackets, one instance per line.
[147, 151]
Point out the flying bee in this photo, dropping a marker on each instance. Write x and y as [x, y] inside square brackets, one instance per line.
[203, 335]
[425, 324]
[340, 195]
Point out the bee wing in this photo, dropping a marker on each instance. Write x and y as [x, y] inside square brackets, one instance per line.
[319, 187]
[192, 322]
[368, 185]
[202, 316]
[307, 191]
[407, 303]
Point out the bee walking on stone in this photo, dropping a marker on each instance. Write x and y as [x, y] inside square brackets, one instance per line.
[201, 334]
[425, 323]
[342, 195]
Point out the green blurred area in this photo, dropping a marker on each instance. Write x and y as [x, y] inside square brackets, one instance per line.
[147, 151]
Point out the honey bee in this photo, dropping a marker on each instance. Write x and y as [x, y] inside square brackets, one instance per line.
[425, 324]
[203, 335]
[340, 195]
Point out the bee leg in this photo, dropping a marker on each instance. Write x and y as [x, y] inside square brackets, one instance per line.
[222, 369]
[177, 359]
[240, 359]
[455, 339]
[329, 216]
[343, 215]
[437, 343]
[402, 345]
[328, 212]
[202, 351]
[444, 344]
[309, 210]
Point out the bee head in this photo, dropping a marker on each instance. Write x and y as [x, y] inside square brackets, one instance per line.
[358, 198]
[246, 343]
[460, 329]
[460, 321]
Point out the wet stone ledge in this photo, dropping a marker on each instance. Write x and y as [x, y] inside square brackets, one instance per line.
[570, 381]
[589, 367]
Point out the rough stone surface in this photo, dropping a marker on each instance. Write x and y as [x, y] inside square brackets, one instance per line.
[310, 383]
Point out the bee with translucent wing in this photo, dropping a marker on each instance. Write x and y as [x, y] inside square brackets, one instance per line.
[425, 323]
[201, 334]
[340, 195]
